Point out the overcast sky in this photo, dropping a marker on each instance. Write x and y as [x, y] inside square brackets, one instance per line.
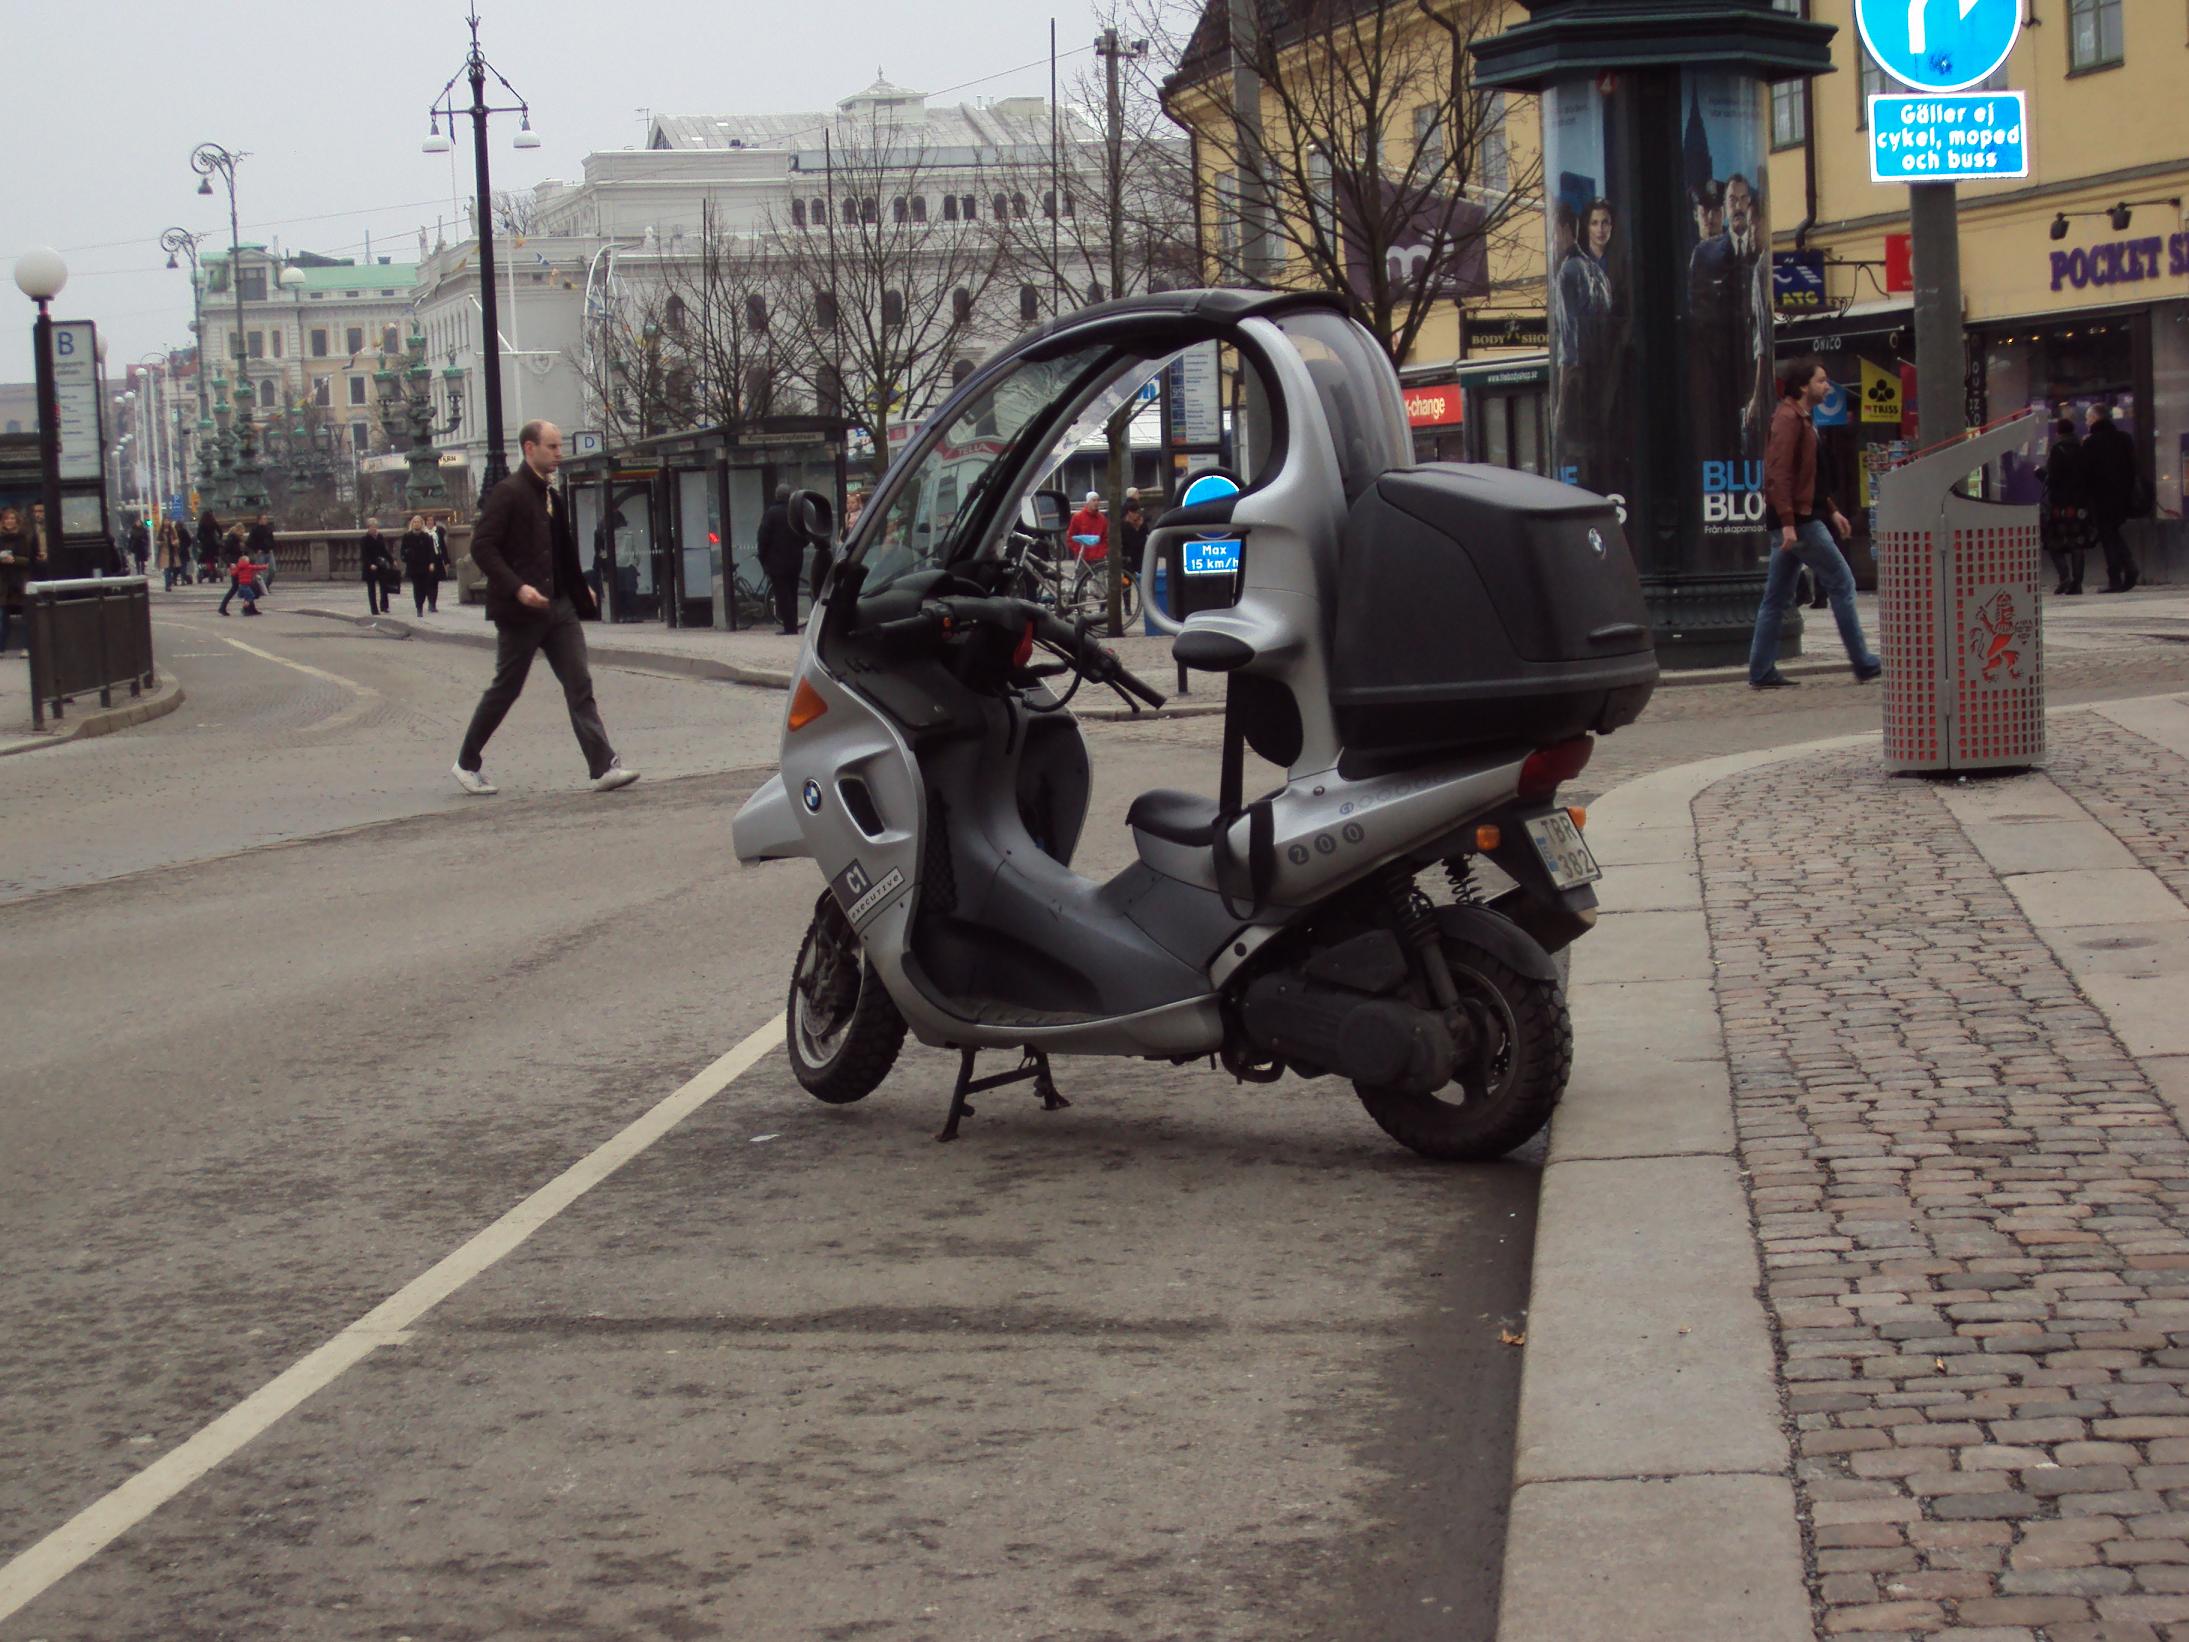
[106, 98]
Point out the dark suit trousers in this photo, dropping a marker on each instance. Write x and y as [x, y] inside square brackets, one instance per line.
[562, 636]
[785, 589]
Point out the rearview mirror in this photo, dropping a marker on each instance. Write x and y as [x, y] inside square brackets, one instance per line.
[813, 518]
[1046, 511]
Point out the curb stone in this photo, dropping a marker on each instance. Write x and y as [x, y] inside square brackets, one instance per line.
[163, 698]
[703, 667]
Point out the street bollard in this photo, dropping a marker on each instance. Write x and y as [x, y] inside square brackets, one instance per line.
[1961, 625]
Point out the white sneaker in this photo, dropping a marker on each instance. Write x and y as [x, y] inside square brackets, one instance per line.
[474, 782]
[613, 777]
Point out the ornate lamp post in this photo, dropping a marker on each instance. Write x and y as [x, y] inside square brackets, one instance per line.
[476, 68]
[425, 487]
[223, 448]
[208, 160]
[39, 275]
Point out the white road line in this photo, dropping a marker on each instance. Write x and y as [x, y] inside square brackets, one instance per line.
[351, 684]
[106, 1519]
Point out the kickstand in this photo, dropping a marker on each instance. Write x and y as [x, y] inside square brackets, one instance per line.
[1034, 1068]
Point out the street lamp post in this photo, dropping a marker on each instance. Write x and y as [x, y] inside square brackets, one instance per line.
[476, 68]
[39, 275]
[181, 242]
[206, 160]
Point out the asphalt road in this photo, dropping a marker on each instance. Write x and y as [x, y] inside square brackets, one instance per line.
[290, 1020]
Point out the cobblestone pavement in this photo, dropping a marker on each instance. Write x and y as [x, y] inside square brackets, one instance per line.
[1972, 1206]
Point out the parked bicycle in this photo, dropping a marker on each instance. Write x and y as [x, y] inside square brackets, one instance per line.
[1063, 580]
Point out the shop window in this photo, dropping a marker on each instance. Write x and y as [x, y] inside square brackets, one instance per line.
[1789, 113]
[2093, 34]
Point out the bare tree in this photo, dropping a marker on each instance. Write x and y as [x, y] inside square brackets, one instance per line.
[634, 365]
[882, 270]
[1384, 168]
[719, 322]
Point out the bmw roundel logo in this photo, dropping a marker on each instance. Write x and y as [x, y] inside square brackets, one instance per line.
[811, 792]
[1596, 540]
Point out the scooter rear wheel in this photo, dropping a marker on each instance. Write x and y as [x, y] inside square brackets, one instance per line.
[843, 1031]
[1504, 1099]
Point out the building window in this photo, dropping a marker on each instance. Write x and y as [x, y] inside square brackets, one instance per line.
[1048, 203]
[319, 344]
[672, 315]
[323, 391]
[892, 308]
[251, 283]
[1428, 141]
[960, 369]
[870, 210]
[1018, 206]
[357, 390]
[1871, 82]
[235, 344]
[899, 211]
[1322, 198]
[391, 340]
[759, 391]
[1029, 304]
[2093, 34]
[756, 313]
[817, 212]
[315, 296]
[1227, 218]
[970, 207]
[919, 207]
[1001, 204]
[258, 344]
[360, 435]
[1789, 114]
[354, 340]
[1493, 153]
[950, 208]
[798, 213]
[828, 391]
[849, 210]
[961, 305]
[266, 395]
[824, 310]
[280, 341]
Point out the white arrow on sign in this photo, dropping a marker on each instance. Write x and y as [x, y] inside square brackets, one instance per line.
[1918, 40]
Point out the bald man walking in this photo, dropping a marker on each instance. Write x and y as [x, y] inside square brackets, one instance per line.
[537, 600]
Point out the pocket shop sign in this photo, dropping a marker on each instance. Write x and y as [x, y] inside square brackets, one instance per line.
[2121, 261]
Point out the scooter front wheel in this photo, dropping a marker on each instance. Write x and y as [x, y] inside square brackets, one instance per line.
[1505, 1095]
[843, 1031]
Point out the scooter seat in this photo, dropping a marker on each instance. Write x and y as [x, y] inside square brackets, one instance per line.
[1175, 817]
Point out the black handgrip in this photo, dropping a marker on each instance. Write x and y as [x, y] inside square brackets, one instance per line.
[1617, 632]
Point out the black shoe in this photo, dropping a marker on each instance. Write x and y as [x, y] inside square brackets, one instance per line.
[1777, 681]
[2062, 588]
[1820, 604]
[1865, 675]
[2074, 589]
[2129, 586]
[2114, 587]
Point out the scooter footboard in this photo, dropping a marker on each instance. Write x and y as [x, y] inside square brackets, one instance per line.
[766, 827]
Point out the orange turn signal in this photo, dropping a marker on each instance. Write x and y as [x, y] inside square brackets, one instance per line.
[1488, 837]
[1579, 814]
[806, 705]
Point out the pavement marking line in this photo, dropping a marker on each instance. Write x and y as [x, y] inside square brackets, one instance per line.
[106, 1519]
[296, 666]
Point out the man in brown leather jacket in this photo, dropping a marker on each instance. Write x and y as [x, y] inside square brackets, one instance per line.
[1799, 533]
[536, 598]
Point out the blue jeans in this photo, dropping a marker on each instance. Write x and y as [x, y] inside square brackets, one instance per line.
[1815, 548]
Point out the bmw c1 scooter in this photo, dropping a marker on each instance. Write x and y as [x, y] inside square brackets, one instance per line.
[1425, 650]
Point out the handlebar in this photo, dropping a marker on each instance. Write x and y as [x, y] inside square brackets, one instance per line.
[1088, 657]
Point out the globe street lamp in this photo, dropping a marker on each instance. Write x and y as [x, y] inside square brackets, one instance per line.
[476, 68]
[39, 275]
[208, 160]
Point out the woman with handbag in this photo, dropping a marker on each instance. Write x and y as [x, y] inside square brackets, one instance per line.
[2063, 523]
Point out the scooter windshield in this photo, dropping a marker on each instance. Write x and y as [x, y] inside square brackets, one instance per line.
[931, 503]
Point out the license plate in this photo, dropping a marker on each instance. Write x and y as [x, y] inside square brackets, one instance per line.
[1558, 841]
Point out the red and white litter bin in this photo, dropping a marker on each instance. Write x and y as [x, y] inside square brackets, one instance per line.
[1961, 625]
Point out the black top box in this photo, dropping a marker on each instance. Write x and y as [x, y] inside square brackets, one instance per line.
[1479, 606]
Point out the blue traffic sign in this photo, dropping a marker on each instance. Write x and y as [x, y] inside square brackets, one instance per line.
[1939, 45]
[1212, 558]
[1946, 136]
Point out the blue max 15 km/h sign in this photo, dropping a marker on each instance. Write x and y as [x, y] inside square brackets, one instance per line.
[1946, 136]
[1939, 45]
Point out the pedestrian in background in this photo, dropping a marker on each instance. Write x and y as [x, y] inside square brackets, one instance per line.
[208, 545]
[258, 545]
[2064, 523]
[537, 598]
[1132, 533]
[780, 558]
[140, 544]
[2110, 481]
[1090, 529]
[19, 554]
[854, 505]
[372, 566]
[174, 553]
[243, 582]
[1796, 510]
[422, 563]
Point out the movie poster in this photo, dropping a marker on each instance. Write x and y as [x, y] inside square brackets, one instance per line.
[1590, 291]
[1727, 314]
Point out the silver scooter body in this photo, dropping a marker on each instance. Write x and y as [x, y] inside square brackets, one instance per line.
[1140, 963]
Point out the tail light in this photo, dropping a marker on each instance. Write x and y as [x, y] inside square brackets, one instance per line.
[1546, 767]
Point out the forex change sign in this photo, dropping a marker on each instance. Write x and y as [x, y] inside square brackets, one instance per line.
[1946, 136]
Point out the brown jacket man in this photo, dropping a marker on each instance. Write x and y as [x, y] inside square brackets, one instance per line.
[536, 598]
